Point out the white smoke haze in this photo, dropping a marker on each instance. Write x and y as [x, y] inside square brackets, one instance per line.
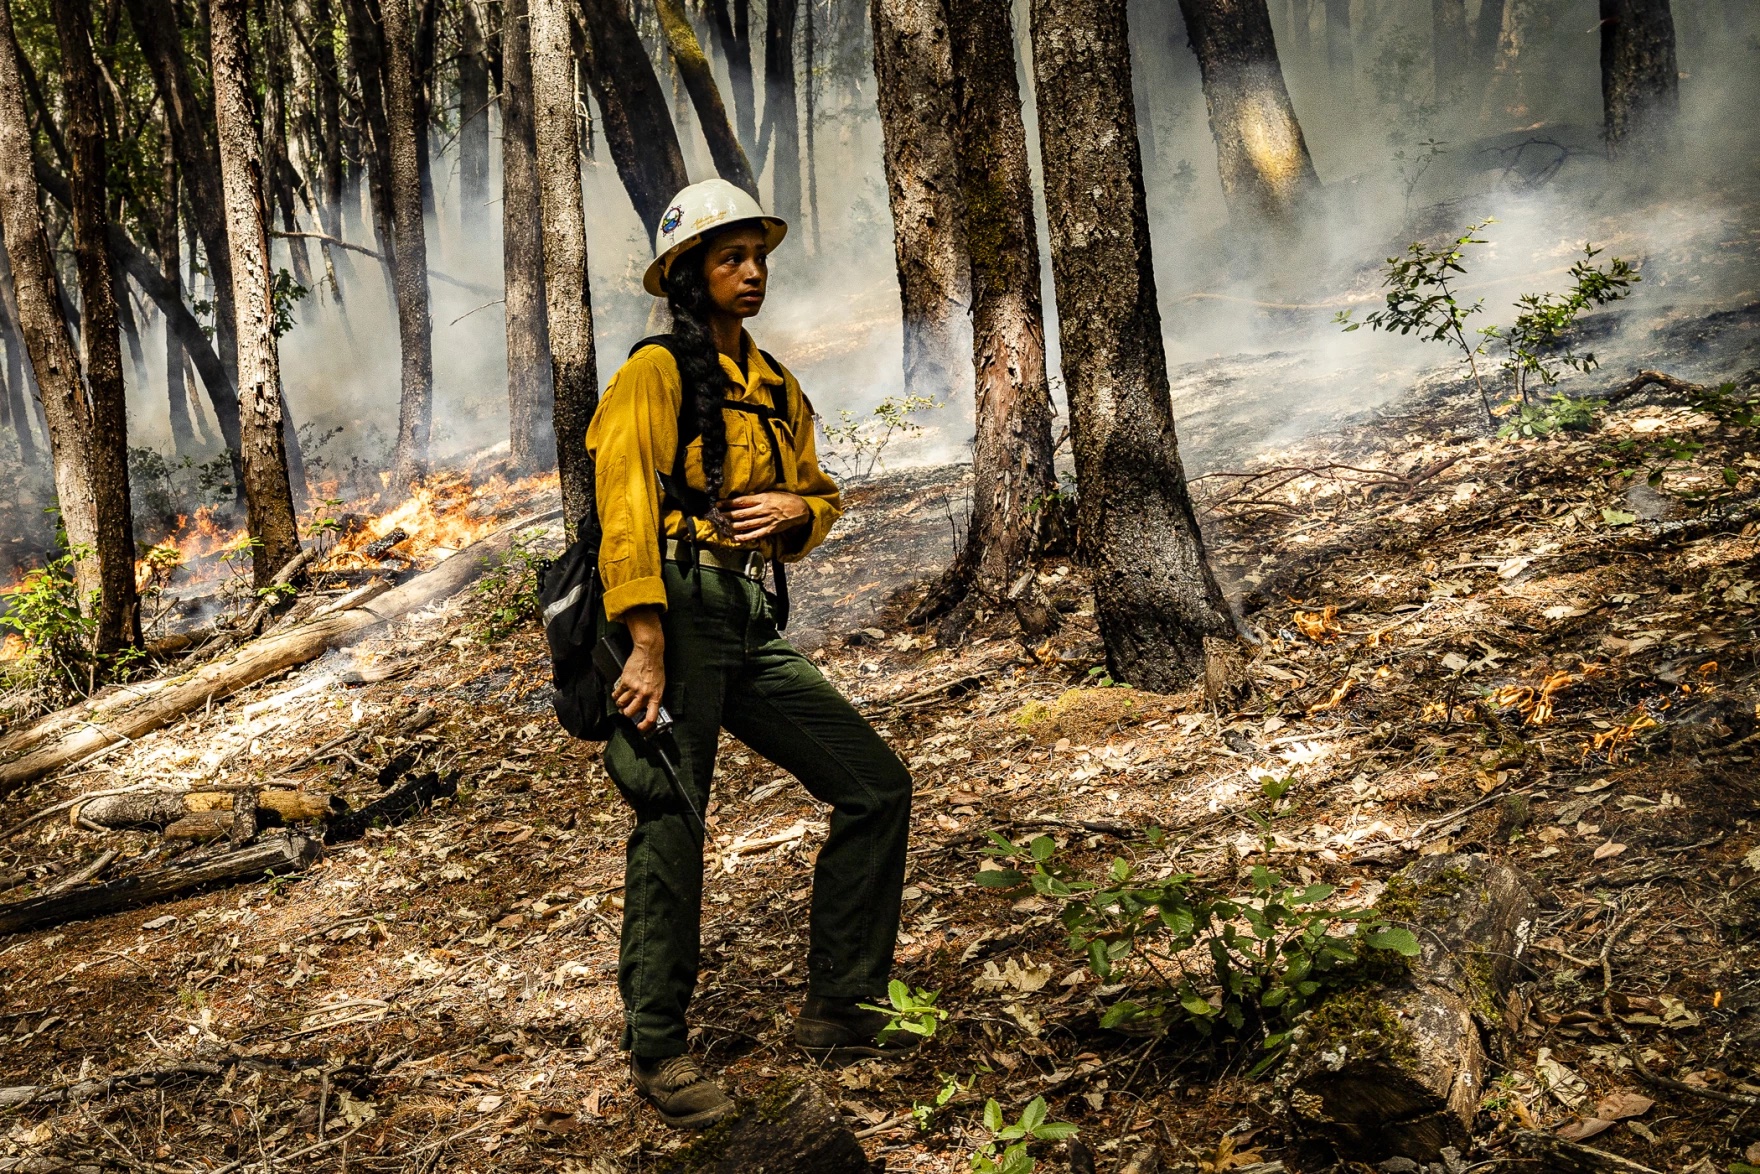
[1254, 357]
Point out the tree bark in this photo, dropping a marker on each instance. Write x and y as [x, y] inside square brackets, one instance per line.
[532, 438]
[780, 115]
[1266, 171]
[1399, 1071]
[735, 45]
[699, 80]
[280, 165]
[567, 298]
[809, 53]
[1012, 447]
[183, 437]
[17, 393]
[54, 361]
[161, 41]
[1486, 31]
[1640, 82]
[1155, 597]
[410, 268]
[366, 51]
[267, 489]
[329, 117]
[1449, 46]
[913, 67]
[637, 121]
[118, 617]
[473, 117]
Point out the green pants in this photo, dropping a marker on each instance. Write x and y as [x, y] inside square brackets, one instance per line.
[726, 666]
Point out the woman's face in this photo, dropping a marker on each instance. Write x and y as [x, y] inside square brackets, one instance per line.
[737, 267]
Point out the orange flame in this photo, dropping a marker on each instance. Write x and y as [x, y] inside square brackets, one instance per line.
[1535, 705]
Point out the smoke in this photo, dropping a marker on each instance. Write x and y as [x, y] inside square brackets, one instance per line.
[1253, 354]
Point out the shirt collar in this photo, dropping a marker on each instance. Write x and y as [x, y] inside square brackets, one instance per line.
[758, 369]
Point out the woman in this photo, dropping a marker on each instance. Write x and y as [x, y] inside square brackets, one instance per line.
[705, 644]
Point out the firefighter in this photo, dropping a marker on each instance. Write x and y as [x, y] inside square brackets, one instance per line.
[706, 474]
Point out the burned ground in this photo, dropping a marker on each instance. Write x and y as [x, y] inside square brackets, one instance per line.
[1512, 647]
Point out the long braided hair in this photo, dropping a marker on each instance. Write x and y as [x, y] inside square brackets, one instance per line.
[699, 364]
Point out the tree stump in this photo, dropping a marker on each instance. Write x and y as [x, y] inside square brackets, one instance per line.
[790, 1129]
[1398, 1070]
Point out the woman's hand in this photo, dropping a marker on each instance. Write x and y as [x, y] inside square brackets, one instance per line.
[760, 515]
[638, 690]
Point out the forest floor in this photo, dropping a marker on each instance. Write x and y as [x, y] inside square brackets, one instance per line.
[1470, 644]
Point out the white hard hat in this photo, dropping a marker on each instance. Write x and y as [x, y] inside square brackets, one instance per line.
[694, 213]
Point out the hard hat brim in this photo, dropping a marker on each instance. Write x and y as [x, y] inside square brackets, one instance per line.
[774, 230]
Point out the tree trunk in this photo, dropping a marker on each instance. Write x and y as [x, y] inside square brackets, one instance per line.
[529, 398]
[280, 166]
[367, 53]
[423, 17]
[410, 269]
[1640, 82]
[183, 437]
[574, 367]
[1486, 33]
[161, 41]
[736, 47]
[473, 117]
[637, 121]
[1449, 46]
[730, 158]
[1012, 449]
[54, 361]
[329, 114]
[1399, 1071]
[17, 393]
[809, 51]
[1266, 170]
[267, 490]
[118, 618]
[1154, 595]
[780, 115]
[914, 71]
[1341, 54]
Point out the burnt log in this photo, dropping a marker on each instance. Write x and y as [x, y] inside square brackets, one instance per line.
[1397, 1070]
[790, 1129]
[411, 799]
[156, 810]
[278, 854]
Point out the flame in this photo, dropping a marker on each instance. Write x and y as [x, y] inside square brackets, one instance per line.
[1613, 743]
[1535, 705]
[13, 647]
[1318, 626]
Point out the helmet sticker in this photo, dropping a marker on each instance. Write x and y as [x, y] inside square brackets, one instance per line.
[674, 214]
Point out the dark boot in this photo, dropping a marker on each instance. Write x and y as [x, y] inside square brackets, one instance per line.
[678, 1090]
[838, 1032]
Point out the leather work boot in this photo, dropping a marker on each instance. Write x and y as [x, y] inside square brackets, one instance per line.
[679, 1092]
[838, 1032]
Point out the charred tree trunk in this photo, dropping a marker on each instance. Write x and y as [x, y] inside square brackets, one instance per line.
[637, 121]
[570, 311]
[161, 41]
[66, 413]
[1486, 32]
[1012, 448]
[780, 116]
[183, 437]
[329, 117]
[118, 618]
[423, 17]
[1266, 170]
[1640, 82]
[1154, 595]
[693, 67]
[1449, 46]
[410, 268]
[267, 490]
[17, 393]
[532, 440]
[473, 119]
[914, 70]
[735, 44]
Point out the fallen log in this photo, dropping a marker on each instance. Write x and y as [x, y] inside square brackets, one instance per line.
[415, 796]
[157, 810]
[790, 1129]
[278, 852]
[1554, 1153]
[1397, 1070]
[75, 735]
